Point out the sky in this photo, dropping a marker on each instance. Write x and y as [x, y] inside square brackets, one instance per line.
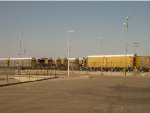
[45, 28]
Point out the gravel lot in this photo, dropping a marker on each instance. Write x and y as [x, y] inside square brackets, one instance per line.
[98, 94]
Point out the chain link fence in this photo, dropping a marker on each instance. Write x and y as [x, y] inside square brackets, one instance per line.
[9, 76]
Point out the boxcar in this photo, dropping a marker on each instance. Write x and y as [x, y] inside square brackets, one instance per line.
[22, 62]
[143, 63]
[4, 62]
[111, 62]
[18, 62]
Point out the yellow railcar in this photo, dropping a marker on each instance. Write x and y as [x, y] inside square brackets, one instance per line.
[22, 62]
[111, 61]
[64, 62]
[60, 63]
[4, 62]
[18, 62]
[143, 62]
[57, 63]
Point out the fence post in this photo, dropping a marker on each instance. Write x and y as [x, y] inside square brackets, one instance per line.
[125, 72]
[55, 72]
[7, 78]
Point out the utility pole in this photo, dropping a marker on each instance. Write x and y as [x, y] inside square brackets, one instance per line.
[21, 43]
[20, 46]
[135, 46]
[126, 39]
[100, 38]
[69, 31]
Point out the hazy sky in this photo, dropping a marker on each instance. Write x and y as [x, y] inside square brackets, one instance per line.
[45, 25]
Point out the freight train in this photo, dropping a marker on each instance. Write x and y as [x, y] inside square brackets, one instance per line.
[92, 63]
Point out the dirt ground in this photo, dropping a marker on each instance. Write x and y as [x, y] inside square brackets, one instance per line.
[84, 94]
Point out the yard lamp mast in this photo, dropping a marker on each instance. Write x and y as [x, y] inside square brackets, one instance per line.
[100, 38]
[126, 39]
[135, 46]
[69, 31]
[20, 45]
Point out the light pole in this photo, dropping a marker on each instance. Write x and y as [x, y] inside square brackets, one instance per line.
[25, 50]
[101, 63]
[126, 39]
[20, 45]
[21, 42]
[69, 31]
[100, 38]
[135, 46]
